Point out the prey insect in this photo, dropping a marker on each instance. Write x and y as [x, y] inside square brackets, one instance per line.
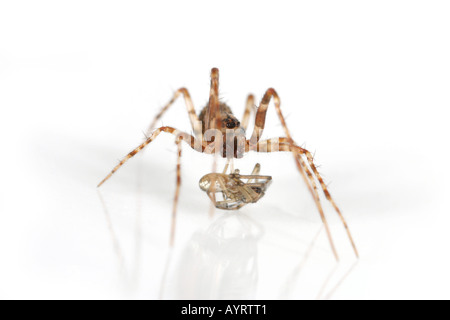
[235, 192]
[216, 131]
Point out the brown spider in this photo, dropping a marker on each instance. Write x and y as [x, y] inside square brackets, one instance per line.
[218, 131]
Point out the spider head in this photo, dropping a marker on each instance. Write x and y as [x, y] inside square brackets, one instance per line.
[230, 122]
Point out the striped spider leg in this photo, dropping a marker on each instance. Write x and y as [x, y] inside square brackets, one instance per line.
[179, 137]
[219, 133]
[287, 144]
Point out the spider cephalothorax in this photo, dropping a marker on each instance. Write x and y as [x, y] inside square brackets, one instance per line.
[230, 132]
[228, 120]
[218, 131]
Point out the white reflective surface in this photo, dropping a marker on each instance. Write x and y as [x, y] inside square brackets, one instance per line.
[363, 85]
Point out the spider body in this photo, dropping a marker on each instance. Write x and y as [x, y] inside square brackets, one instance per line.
[231, 132]
[216, 131]
[229, 121]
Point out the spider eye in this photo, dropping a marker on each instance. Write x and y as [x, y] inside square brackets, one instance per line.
[231, 125]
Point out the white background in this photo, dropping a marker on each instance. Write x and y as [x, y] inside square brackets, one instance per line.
[364, 84]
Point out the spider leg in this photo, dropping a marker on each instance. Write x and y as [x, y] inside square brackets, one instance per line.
[327, 194]
[271, 145]
[249, 106]
[184, 136]
[285, 145]
[267, 146]
[195, 122]
[260, 118]
[177, 191]
[212, 121]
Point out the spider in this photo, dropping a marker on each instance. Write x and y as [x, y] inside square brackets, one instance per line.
[236, 193]
[216, 131]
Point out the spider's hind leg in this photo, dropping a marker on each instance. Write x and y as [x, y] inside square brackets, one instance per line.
[177, 191]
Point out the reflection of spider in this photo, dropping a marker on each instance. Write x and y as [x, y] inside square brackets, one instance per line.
[218, 131]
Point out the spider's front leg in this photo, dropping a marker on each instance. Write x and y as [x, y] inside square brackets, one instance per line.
[195, 144]
[249, 106]
[213, 120]
[310, 158]
[260, 117]
[285, 144]
[288, 144]
[180, 136]
[272, 145]
[195, 122]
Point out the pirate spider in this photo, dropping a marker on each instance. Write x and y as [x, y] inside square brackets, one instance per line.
[218, 131]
